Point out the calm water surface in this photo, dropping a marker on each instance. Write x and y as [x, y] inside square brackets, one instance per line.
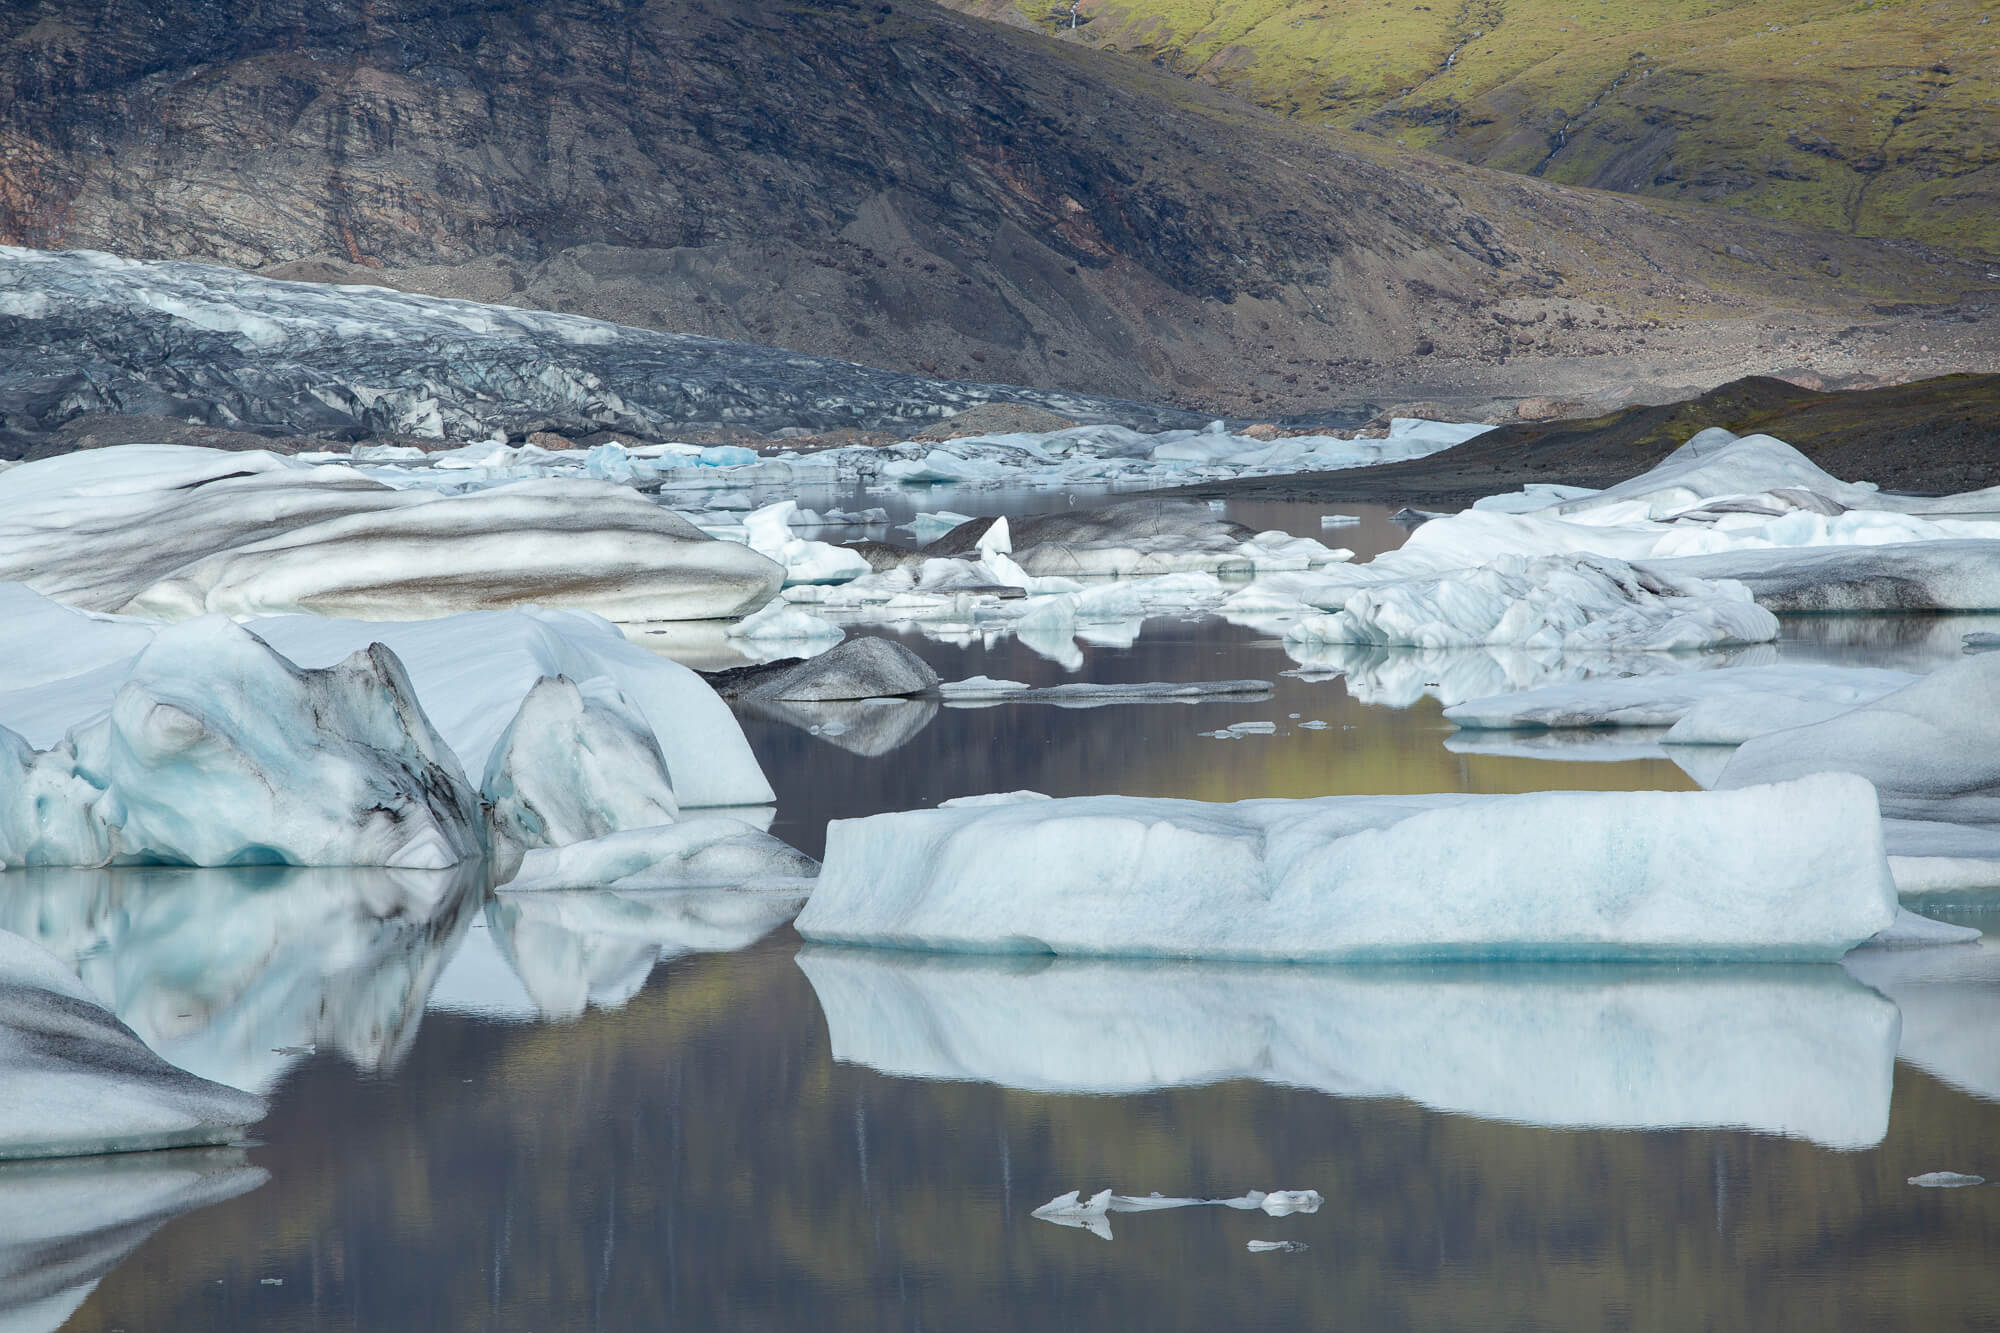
[593, 1111]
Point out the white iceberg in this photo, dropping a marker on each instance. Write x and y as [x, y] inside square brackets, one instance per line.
[1801, 1051]
[1701, 707]
[1788, 871]
[80, 1082]
[175, 532]
[216, 750]
[1932, 748]
[1566, 603]
[769, 533]
[575, 765]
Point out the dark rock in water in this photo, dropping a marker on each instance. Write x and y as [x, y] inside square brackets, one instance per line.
[863, 668]
[89, 333]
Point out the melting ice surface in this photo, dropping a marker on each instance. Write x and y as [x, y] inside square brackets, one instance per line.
[572, 1108]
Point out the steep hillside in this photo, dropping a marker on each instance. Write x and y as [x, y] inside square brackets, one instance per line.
[897, 185]
[1877, 117]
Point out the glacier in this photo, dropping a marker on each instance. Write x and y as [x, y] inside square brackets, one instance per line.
[1779, 1049]
[1792, 871]
[81, 1082]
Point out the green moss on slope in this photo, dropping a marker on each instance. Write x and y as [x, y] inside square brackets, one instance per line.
[1876, 117]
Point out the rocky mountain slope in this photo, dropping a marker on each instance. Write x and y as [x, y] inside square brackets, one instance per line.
[898, 185]
[1879, 118]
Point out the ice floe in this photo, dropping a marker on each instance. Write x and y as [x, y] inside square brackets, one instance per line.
[977, 690]
[79, 1081]
[1699, 707]
[1093, 1214]
[173, 531]
[1789, 871]
[1946, 1180]
[1931, 749]
[1802, 1051]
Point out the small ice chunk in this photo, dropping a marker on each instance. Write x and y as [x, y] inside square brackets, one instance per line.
[1071, 1210]
[981, 687]
[1338, 520]
[1275, 1247]
[1253, 728]
[779, 621]
[1946, 1180]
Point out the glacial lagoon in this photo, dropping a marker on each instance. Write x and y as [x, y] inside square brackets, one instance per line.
[662, 1109]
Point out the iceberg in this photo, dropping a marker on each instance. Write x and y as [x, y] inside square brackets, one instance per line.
[868, 667]
[1564, 603]
[236, 975]
[81, 1082]
[216, 750]
[1791, 871]
[1931, 749]
[769, 533]
[1945, 574]
[65, 1224]
[1700, 707]
[1128, 538]
[573, 766]
[174, 532]
[1800, 1051]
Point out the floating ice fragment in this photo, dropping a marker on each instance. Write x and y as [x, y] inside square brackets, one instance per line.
[1946, 1180]
[779, 621]
[1338, 520]
[1794, 870]
[1070, 1210]
[1275, 1247]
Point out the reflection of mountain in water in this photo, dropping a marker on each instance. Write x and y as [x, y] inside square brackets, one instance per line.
[1801, 1051]
[582, 947]
[65, 1224]
[231, 974]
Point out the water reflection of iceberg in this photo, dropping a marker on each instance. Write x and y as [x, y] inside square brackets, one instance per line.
[65, 1224]
[232, 974]
[577, 948]
[1794, 1050]
[1950, 1003]
[1398, 677]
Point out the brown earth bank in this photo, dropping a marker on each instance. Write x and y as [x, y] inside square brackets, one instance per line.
[899, 185]
[1931, 437]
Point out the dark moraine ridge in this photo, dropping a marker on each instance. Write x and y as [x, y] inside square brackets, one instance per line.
[1930, 437]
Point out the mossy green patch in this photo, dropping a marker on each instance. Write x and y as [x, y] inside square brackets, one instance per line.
[1874, 117]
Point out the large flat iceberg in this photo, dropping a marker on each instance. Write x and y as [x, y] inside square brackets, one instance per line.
[172, 531]
[1792, 871]
[1777, 1049]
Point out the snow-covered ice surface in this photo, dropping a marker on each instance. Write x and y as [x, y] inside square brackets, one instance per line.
[1778, 872]
[65, 1224]
[1781, 1050]
[79, 1082]
[239, 350]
